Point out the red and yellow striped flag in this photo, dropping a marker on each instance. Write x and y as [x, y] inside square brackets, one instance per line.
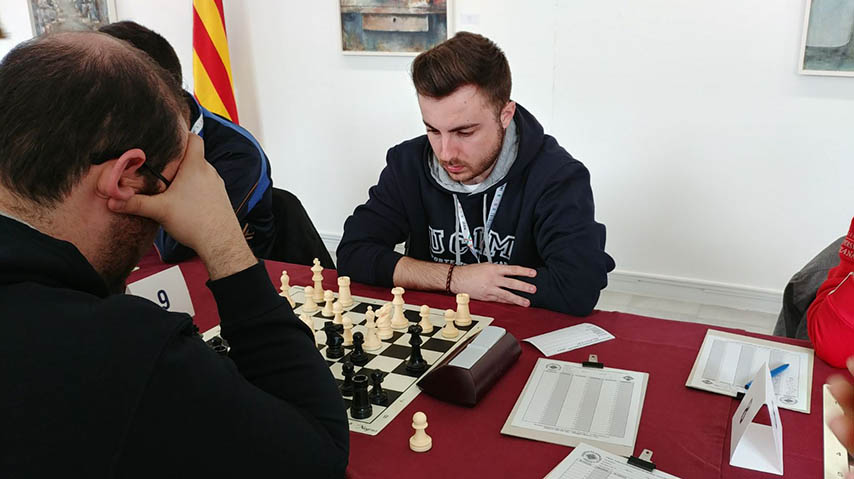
[212, 81]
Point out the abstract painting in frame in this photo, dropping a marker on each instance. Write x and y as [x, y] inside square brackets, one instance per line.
[48, 16]
[393, 27]
[827, 46]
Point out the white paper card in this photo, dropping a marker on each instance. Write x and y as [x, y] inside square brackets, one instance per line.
[166, 289]
[568, 339]
[837, 462]
[586, 461]
[757, 446]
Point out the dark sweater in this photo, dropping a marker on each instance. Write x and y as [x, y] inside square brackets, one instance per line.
[545, 221]
[113, 386]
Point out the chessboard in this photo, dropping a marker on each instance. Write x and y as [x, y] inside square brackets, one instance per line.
[390, 359]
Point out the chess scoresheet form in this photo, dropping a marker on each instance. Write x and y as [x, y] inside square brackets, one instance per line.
[726, 362]
[566, 403]
[588, 462]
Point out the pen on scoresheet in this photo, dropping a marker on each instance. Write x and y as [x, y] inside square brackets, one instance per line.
[774, 372]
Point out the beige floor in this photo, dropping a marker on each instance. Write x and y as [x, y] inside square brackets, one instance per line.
[753, 321]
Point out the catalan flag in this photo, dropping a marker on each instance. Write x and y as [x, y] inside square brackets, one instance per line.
[212, 81]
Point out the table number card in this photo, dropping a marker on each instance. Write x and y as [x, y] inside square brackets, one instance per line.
[757, 446]
[166, 289]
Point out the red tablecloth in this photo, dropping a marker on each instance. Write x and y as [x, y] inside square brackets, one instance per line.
[688, 430]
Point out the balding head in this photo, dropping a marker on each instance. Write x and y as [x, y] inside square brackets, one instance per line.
[71, 100]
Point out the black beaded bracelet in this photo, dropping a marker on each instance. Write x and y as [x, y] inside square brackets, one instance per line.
[448, 282]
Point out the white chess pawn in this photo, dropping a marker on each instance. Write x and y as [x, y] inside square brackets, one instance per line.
[420, 441]
[344, 296]
[310, 323]
[369, 318]
[450, 331]
[426, 325]
[317, 277]
[329, 297]
[384, 330]
[372, 340]
[338, 311]
[398, 320]
[309, 306]
[348, 330]
[285, 288]
[463, 316]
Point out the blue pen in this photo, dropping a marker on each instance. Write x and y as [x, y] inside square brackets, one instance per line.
[774, 372]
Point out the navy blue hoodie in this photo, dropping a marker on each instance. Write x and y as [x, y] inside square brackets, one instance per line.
[545, 221]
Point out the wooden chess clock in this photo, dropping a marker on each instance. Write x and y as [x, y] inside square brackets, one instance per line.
[465, 376]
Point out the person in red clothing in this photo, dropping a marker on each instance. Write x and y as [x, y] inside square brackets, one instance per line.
[830, 317]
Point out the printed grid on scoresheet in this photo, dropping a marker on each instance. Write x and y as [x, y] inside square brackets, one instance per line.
[391, 357]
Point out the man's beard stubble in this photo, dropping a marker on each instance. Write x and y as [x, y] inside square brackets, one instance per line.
[132, 237]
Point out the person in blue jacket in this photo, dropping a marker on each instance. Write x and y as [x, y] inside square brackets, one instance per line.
[486, 203]
[231, 149]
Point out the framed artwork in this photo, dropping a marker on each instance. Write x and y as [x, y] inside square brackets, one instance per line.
[827, 47]
[393, 27]
[49, 16]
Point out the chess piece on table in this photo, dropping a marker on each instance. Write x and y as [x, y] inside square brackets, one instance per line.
[317, 277]
[360, 407]
[420, 441]
[416, 363]
[384, 330]
[463, 316]
[329, 297]
[334, 341]
[378, 395]
[398, 320]
[344, 296]
[309, 306]
[347, 323]
[285, 288]
[358, 356]
[426, 325]
[338, 311]
[369, 318]
[450, 331]
[309, 321]
[372, 340]
[347, 370]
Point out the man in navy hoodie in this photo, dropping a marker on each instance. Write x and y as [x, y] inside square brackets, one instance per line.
[486, 202]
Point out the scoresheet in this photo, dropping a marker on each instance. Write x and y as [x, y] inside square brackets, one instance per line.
[588, 462]
[837, 462]
[727, 362]
[566, 403]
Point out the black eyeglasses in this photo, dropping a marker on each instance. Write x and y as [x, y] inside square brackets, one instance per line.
[156, 174]
[107, 157]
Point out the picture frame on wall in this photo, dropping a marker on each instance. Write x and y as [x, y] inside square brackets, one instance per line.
[827, 44]
[393, 27]
[48, 16]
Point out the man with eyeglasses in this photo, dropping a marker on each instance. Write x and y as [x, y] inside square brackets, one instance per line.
[233, 151]
[95, 156]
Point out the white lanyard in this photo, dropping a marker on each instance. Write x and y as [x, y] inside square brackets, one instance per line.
[487, 225]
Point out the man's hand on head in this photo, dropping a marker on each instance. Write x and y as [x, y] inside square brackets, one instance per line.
[196, 211]
[492, 282]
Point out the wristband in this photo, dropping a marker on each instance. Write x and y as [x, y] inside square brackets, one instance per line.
[448, 282]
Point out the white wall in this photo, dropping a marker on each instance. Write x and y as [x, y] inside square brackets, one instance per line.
[711, 158]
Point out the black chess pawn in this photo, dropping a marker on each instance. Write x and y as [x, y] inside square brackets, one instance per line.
[378, 396]
[334, 341]
[416, 363]
[360, 407]
[358, 356]
[347, 370]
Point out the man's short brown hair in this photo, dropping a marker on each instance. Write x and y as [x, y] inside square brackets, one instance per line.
[465, 59]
